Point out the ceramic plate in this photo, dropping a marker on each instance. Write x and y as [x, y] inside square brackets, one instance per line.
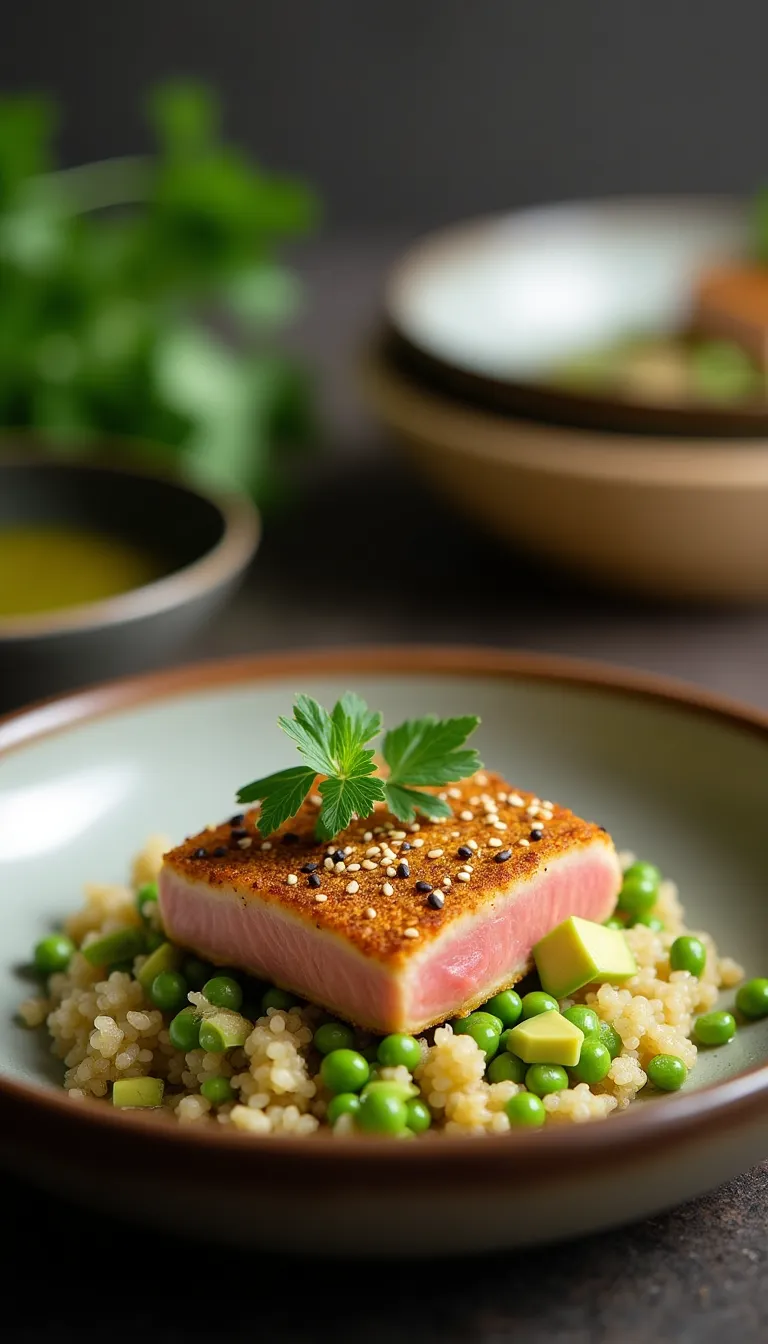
[486, 308]
[675, 775]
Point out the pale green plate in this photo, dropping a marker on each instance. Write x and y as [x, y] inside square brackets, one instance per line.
[673, 776]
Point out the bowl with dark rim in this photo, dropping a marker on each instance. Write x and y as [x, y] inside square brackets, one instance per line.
[201, 543]
[85, 778]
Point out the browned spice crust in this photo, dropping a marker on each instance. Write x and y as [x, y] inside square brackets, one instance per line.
[263, 874]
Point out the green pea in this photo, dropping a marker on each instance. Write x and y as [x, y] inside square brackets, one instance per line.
[278, 998]
[484, 1028]
[638, 894]
[146, 895]
[644, 872]
[399, 1049]
[584, 1018]
[611, 1039]
[667, 1072]
[184, 1030]
[714, 1028]
[538, 1002]
[650, 922]
[196, 972]
[594, 1061]
[526, 1109]
[223, 992]
[688, 954]
[53, 954]
[168, 991]
[217, 1090]
[344, 1071]
[382, 1111]
[333, 1036]
[419, 1116]
[614, 923]
[541, 1079]
[507, 1006]
[752, 998]
[344, 1103]
[506, 1068]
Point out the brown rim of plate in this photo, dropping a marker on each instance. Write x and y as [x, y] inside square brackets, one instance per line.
[239, 540]
[30, 1115]
[552, 405]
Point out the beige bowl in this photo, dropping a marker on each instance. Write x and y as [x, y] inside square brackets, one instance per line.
[663, 516]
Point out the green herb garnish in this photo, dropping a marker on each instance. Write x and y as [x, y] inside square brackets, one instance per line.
[426, 751]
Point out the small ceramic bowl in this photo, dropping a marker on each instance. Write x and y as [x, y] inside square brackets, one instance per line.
[204, 541]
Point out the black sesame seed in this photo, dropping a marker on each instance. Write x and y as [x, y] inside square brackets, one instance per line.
[290, 838]
[238, 833]
[436, 899]
[219, 852]
[238, 819]
[403, 870]
[424, 887]
[502, 856]
[313, 880]
[338, 856]
[536, 834]
[200, 854]
[309, 867]
[464, 852]
[404, 847]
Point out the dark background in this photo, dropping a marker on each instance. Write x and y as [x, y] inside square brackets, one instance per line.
[418, 111]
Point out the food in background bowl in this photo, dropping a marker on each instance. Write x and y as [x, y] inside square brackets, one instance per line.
[377, 928]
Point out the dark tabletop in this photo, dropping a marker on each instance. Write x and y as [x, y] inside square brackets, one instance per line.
[693, 1275]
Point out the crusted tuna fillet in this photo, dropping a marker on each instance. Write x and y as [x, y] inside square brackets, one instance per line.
[394, 928]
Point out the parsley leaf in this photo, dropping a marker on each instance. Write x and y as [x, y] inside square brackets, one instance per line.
[281, 795]
[405, 803]
[428, 750]
[342, 797]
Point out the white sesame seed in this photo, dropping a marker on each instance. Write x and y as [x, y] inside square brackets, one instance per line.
[391, 872]
[501, 797]
[414, 827]
[353, 867]
[434, 853]
[377, 830]
[481, 778]
[524, 843]
[474, 800]
[466, 815]
[388, 889]
[315, 800]
[472, 844]
[411, 933]
[291, 879]
[321, 897]
[545, 816]
[467, 868]
[245, 843]
[417, 844]
[500, 825]
[491, 818]
[340, 867]
[368, 836]
[463, 877]
[369, 865]
[373, 851]
[443, 797]
[398, 835]
[447, 882]
[266, 844]
[370, 912]
[454, 793]
[546, 803]
[515, 800]
[494, 842]
[328, 863]
[352, 887]
[348, 849]
[455, 835]
[384, 863]
[389, 855]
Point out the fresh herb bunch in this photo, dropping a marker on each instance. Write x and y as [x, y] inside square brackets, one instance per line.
[427, 751]
[150, 322]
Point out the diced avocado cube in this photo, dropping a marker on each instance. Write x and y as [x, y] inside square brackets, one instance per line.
[122, 945]
[166, 957]
[138, 1092]
[223, 1030]
[547, 1038]
[578, 952]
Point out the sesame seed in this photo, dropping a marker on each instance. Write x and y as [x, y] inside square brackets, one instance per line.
[436, 899]
[515, 800]
[472, 844]
[494, 842]
[352, 887]
[411, 933]
[391, 872]
[455, 835]
[398, 835]
[403, 869]
[454, 793]
[290, 838]
[313, 880]
[370, 912]
[466, 815]
[309, 868]
[320, 897]
[388, 889]
[238, 819]
[245, 843]
[405, 847]
[353, 867]
[291, 879]
[340, 867]
[464, 877]
[368, 836]
[424, 888]
[447, 882]
[524, 843]
[502, 856]
[546, 803]
[481, 778]
[414, 827]
[501, 797]
[546, 815]
[219, 852]
[200, 854]
[491, 818]
[237, 833]
[266, 845]
[373, 851]
[418, 844]
[499, 825]
[348, 849]
[368, 864]
[443, 797]
[328, 863]
[434, 854]
[536, 834]
[338, 856]
[315, 800]
[475, 800]
[464, 852]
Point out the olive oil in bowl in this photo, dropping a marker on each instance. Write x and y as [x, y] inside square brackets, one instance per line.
[51, 567]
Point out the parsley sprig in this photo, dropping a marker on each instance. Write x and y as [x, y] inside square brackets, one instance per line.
[420, 752]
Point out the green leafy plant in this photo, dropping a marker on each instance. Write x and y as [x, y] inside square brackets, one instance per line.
[420, 752]
[139, 297]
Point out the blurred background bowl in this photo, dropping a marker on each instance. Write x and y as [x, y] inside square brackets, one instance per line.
[202, 543]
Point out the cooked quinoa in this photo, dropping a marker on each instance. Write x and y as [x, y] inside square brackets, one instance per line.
[106, 1029]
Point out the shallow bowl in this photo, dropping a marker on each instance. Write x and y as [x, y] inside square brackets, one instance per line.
[203, 540]
[675, 774]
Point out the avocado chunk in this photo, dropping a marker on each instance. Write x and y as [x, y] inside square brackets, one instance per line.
[166, 957]
[122, 945]
[223, 1030]
[579, 952]
[548, 1038]
[138, 1092]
